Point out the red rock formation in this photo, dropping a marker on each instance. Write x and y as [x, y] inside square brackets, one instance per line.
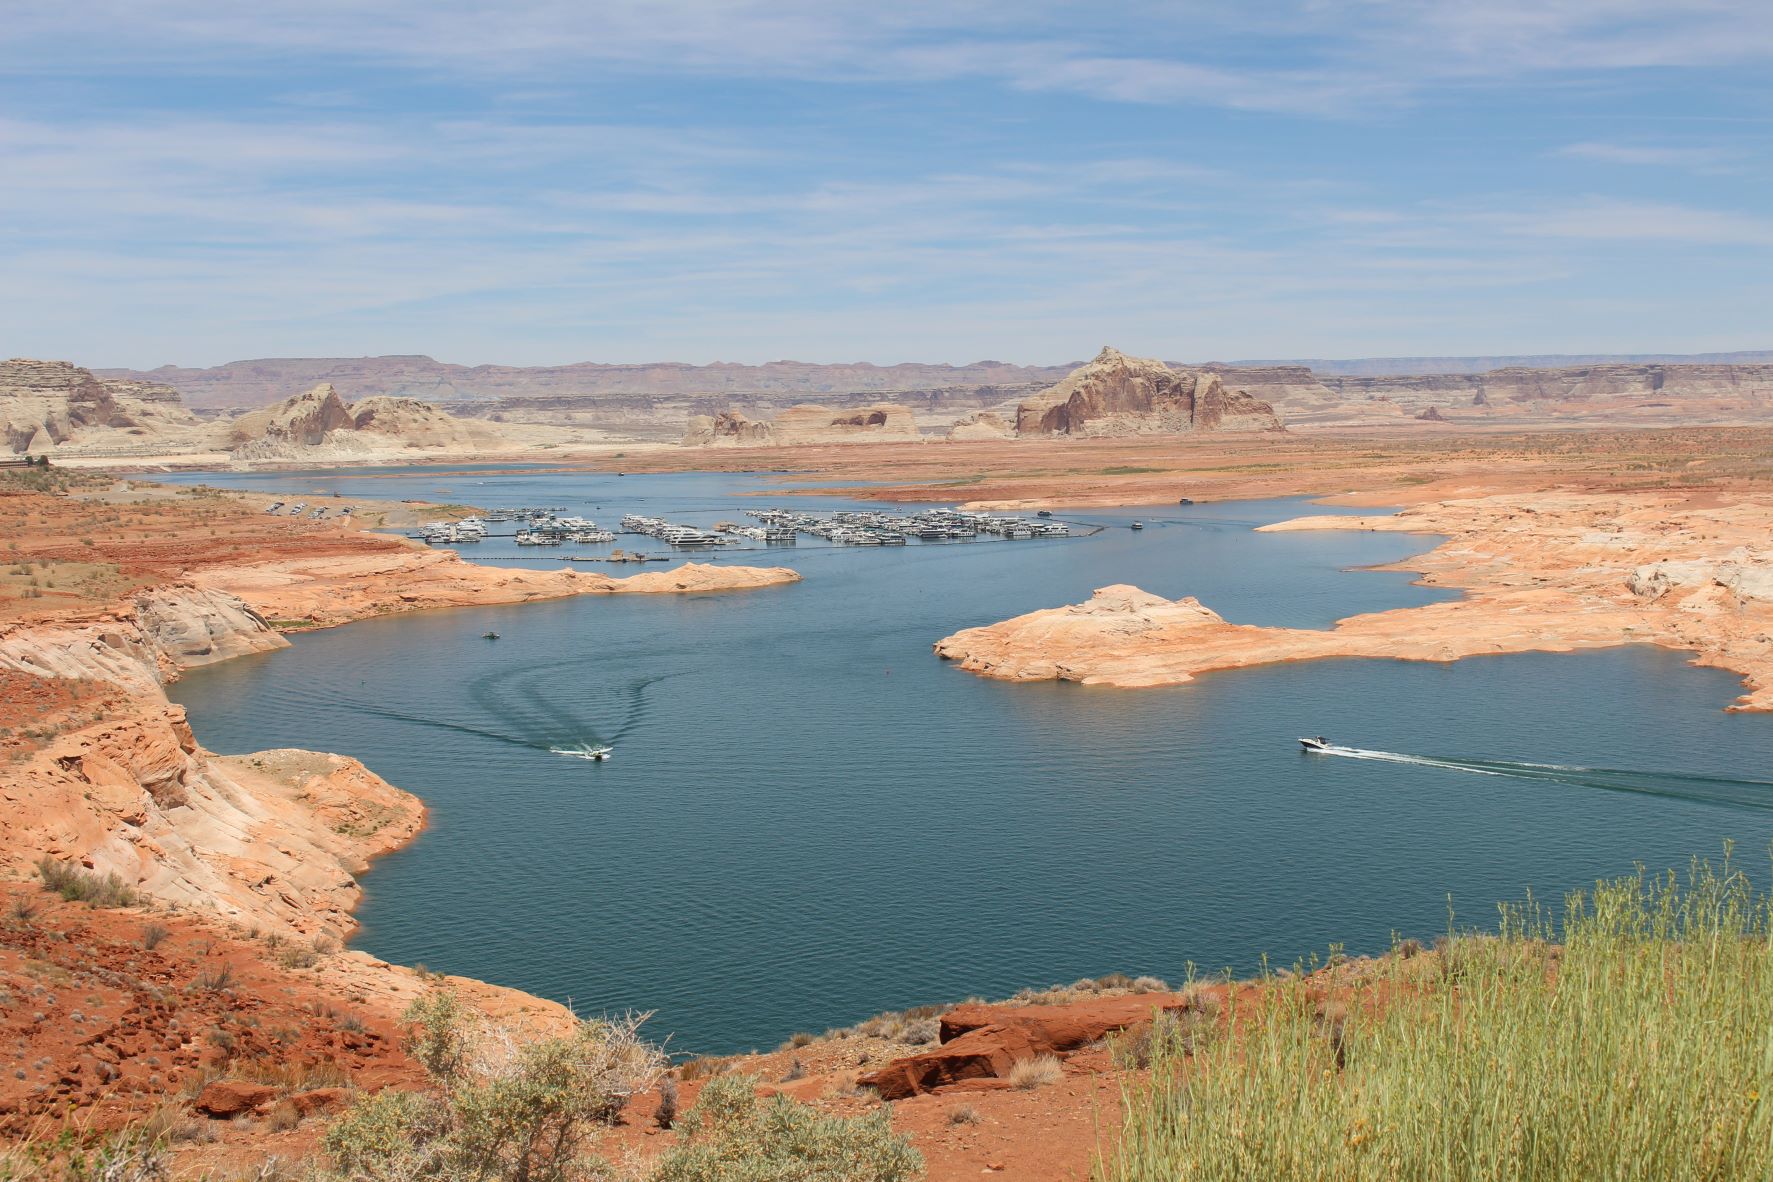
[980, 1043]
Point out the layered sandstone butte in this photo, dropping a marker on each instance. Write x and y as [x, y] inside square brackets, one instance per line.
[729, 428]
[1120, 395]
[317, 424]
[48, 405]
[805, 424]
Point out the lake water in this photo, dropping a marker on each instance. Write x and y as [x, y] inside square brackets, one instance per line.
[809, 818]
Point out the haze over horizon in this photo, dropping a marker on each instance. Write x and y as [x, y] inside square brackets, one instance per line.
[193, 183]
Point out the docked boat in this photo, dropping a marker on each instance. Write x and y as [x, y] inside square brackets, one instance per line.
[1318, 744]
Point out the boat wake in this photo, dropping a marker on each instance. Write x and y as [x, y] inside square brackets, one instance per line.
[1726, 790]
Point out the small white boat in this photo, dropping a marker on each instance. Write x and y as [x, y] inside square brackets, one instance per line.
[1318, 744]
[596, 754]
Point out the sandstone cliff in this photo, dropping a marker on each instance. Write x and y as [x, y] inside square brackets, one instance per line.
[47, 405]
[1120, 395]
[317, 425]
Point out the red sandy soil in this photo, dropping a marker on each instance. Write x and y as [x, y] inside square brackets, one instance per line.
[103, 1030]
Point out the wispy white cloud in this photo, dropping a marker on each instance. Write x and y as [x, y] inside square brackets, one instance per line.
[1298, 56]
[1648, 155]
[1613, 220]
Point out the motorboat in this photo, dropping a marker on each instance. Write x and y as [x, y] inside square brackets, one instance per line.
[1138, 525]
[596, 754]
[489, 636]
[1318, 744]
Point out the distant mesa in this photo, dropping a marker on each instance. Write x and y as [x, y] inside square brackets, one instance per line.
[804, 424]
[1120, 395]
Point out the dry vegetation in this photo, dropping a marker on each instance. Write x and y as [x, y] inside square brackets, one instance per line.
[1632, 1040]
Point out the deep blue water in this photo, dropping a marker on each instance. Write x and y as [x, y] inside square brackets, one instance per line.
[810, 818]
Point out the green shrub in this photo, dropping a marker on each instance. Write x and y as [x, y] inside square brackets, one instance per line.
[733, 1136]
[81, 886]
[504, 1109]
[1640, 1048]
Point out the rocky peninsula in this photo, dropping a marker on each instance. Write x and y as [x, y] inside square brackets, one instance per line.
[1542, 572]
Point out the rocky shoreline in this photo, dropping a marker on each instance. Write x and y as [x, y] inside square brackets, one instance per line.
[1551, 572]
[112, 779]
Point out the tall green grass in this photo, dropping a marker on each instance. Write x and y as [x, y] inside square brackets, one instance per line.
[1633, 1041]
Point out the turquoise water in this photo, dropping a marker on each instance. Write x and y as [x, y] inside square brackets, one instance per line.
[809, 818]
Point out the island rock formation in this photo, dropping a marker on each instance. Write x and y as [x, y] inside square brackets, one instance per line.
[1552, 572]
[1120, 395]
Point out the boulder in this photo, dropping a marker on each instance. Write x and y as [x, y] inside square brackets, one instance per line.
[980, 1043]
[226, 1098]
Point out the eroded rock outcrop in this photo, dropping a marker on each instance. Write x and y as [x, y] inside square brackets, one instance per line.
[980, 1044]
[46, 405]
[317, 425]
[804, 424]
[983, 425]
[729, 428]
[1120, 395]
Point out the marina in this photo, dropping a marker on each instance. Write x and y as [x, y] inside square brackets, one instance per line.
[547, 527]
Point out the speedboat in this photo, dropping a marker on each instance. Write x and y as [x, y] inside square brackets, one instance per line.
[489, 636]
[1319, 744]
[596, 754]
[1138, 525]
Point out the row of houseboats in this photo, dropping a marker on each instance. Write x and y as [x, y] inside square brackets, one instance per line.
[541, 527]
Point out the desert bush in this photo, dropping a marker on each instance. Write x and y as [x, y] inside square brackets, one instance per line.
[1037, 1072]
[731, 1135]
[216, 980]
[152, 935]
[966, 1114]
[1642, 1047]
[505, 1109]
[128, 1156]
[82, 886]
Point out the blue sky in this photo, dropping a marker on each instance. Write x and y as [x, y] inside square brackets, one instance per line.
[544, 181]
